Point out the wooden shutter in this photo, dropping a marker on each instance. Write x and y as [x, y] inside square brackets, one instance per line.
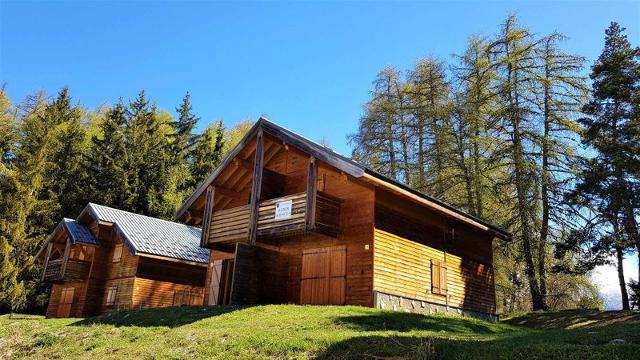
[117, 253]
[111, 295]
[438, 278]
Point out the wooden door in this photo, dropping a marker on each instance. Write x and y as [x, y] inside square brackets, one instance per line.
[214, 289]
[66, 300]
[323, 278]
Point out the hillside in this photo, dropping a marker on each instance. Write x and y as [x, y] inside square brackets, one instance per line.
[289, 331]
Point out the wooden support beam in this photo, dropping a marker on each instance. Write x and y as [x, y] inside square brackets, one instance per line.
[230, 193]
[247, 165]
[65, 258]
[208, 210]
[256, 188]
[312, 174]
[46, 259]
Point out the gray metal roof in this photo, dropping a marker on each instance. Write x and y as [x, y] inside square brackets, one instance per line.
[145, 234]
[78, 232]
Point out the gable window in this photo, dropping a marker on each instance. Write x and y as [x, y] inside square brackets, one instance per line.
[111, 295]
[117, 253]
[438, 278]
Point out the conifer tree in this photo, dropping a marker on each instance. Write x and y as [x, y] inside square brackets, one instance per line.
[207, 153]
[609, 129]
[184, 126]
[107, 159]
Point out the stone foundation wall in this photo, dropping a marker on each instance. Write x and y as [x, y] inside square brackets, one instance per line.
[398, 303]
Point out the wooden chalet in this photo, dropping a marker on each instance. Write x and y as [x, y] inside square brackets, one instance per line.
[110, 259]
[287, 220]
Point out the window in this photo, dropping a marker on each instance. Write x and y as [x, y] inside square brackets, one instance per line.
[438, 278]
[117, 253]
[111, 295]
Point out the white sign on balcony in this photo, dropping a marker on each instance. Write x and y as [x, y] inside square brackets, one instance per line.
[283, 210]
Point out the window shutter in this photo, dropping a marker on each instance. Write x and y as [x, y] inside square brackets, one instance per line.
[443, 280]
[435, 276]
[117, 253]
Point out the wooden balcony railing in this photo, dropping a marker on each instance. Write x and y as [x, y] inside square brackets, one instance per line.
[232, 225]
[75, 270]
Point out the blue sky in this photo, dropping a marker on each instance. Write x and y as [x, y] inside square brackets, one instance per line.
[305, 65]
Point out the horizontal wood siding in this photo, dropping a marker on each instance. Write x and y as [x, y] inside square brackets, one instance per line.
[403, 267]
[232, 225]
[78, 303]
[152, 293]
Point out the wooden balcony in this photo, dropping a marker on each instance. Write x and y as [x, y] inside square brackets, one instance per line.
[230, 226]
[75, 270]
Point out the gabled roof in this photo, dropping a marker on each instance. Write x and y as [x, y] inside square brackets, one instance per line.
[147, 235]
[344, 164]
[78, 233]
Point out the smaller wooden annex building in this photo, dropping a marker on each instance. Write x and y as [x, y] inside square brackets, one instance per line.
[110, 259]
[287, 220]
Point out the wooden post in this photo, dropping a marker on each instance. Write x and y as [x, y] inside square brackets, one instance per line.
[208, 215]
[311, 194]
[256, 188]
[65, 258]
[46, 259]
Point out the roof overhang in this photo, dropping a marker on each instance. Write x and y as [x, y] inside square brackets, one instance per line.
[345, 165]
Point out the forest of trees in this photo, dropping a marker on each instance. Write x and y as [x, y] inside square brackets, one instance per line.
[56, 157]
[512, 132]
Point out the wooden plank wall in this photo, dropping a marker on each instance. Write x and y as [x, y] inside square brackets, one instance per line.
[245, 281]
[153, 293]
[171, 271]
[356, 220]
[120, 274]
[77, 308]
[259, 276]
[402, 267]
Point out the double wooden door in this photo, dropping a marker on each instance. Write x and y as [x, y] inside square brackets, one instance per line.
[323, 278]
[66, 300]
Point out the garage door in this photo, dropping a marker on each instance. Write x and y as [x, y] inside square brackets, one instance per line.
[323, 278]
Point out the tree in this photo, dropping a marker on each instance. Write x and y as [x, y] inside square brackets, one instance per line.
[515, 61]
[12, 292]
[184, 139]
[207, 153]
[610, 131]
[107, 159]
[430, 106]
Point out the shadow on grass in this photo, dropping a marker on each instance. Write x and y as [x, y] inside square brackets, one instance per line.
[575, 319]
[168, 316]
[516, 346]
[404, 322]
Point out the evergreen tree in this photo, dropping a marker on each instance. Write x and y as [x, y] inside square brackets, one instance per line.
[207, 153]
[609, 129]
[148, 149]
[107, 159]
[184, 126]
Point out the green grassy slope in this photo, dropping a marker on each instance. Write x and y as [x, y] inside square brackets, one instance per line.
[288, 331]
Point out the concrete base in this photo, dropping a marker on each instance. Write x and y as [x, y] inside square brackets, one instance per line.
[399, 303]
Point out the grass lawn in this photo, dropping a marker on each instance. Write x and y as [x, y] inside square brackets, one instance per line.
[348, 332]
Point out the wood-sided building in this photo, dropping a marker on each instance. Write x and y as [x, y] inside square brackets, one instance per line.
[110, 259]
[287, 220]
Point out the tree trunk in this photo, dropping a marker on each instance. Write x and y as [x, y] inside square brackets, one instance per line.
[623, 285]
